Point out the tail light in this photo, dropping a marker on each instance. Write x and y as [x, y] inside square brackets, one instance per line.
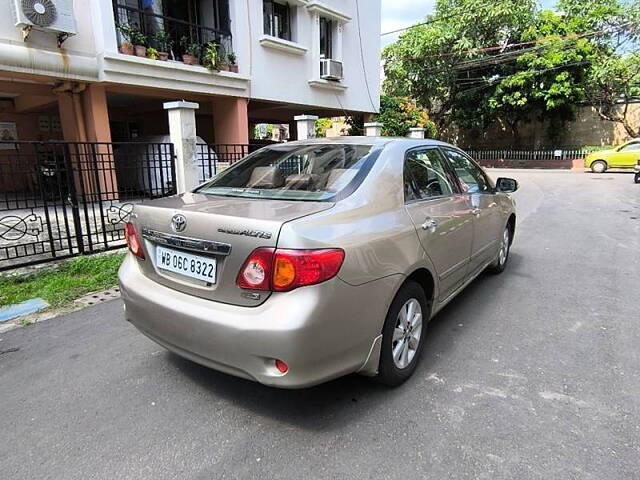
[133, 241]
[283, 270]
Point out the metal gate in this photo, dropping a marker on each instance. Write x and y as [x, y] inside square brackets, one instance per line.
[62, 199]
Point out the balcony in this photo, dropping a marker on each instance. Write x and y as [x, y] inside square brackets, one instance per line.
[199, 26]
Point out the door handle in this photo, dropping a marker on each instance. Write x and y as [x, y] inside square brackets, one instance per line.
[476, 212]
[429, 224]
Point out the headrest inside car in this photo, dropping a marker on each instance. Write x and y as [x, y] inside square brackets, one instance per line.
[299, 181]
[266, 177]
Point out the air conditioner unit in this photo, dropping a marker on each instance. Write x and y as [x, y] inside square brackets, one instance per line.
[45, 15]
[330, 69]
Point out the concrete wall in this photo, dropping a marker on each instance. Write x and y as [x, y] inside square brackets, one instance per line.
[587, 129]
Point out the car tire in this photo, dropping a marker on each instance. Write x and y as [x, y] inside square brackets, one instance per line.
[500, 263]
[599, 166]
[637, 178]
[403, 337]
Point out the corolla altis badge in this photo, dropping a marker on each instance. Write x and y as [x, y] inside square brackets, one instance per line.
[246, 233]
[178, 223]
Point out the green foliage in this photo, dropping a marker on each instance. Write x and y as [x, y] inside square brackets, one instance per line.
[65, 283]
[126, 31]
[355, 125]
[152, 53]
[211, 58]
[322, 125]
[163, 41]
[192, 48]
[231, 57]
[138, 38]
[399, 114]
[539, 65]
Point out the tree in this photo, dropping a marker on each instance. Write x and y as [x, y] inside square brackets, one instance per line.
[322, 125]
[477, 62]
[399, 114]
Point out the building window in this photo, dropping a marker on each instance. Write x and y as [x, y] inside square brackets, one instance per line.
[277, 19]
[326, 38]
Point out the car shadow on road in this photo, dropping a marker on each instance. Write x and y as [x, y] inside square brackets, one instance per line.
[348, 399]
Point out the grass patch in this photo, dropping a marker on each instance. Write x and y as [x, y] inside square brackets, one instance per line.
[65, 283]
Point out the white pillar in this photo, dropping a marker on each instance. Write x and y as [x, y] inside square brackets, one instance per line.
[306, 126]
[182, 129]
[416, 132]
[373, 129]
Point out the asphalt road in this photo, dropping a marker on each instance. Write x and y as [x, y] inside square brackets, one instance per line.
[531, 374]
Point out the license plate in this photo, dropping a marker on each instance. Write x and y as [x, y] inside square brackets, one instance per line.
[194, 266]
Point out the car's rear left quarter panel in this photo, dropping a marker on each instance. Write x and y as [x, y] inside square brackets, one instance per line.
[376, 233]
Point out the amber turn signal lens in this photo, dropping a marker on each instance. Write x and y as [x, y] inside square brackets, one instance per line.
[285, 273]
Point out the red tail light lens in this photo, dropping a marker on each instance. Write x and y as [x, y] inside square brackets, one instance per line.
[133, 241]
[284, 270]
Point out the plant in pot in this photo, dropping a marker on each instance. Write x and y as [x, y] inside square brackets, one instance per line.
[126, 31]
[152, 53]
[191, 55]
[139, 41]
[233, 66]
[164, 44]
[212, 57]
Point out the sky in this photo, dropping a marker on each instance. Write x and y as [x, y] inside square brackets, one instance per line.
[403, 13]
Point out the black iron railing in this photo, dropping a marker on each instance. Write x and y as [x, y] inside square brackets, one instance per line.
[61, 199]
[527, 154]
[213, 158]
[181, 34]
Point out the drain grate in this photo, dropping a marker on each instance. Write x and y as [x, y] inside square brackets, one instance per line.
[99, 297]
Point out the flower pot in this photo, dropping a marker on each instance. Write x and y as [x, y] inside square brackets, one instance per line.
[141, 50]
[233, 68]
[163, 56]
[223, 67]
[126, 48]
[189, 59]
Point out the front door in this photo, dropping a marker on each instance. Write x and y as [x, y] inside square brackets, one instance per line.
[487, 218]
[626, 156]
[441, 216]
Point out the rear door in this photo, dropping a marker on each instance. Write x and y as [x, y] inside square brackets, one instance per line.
[441, 216]
[487, 218]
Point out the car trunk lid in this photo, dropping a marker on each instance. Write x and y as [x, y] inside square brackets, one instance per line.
[223, 229]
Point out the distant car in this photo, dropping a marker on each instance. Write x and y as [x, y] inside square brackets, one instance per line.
[310, 260]
[624, 156]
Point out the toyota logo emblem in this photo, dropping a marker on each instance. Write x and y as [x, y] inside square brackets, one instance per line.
[178, 223]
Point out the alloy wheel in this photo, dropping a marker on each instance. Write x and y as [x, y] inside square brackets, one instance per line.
[504, 247]
[407, 333]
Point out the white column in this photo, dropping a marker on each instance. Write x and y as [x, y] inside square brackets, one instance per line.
[315, 45]
[182, 129]
[416, 132]
[306, 126]
[373, 129]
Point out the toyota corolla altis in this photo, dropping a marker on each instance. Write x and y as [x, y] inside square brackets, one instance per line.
[314, 259]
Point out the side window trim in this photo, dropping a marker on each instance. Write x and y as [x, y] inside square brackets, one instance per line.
[454, 183]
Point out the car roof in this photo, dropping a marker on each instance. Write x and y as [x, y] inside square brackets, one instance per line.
[373, 141]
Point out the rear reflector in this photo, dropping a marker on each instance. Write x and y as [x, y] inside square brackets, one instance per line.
[133, 241]
[283, 270]
[281, 366]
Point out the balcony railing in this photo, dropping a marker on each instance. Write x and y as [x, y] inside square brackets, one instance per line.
[180, 32]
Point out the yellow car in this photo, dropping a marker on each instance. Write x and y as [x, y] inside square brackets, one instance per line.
[625, 156]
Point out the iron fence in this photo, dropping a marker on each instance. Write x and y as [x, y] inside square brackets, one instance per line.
[213, 158]
[62, 199]
[524, 154]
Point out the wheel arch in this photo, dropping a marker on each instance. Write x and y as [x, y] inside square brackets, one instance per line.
[511, 222]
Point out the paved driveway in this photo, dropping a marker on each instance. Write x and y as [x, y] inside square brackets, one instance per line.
[532, 374]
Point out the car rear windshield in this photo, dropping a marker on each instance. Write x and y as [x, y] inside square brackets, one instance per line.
[317, 172]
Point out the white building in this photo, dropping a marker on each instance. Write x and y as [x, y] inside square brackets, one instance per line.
[86, 89]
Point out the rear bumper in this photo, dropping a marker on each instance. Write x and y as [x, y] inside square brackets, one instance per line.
[321, 332]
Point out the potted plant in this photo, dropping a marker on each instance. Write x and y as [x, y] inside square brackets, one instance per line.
[126, 31]
[164, 44]
[233, 66]
[139, 41]
[191, 55]
[212, 57]
[152, 53]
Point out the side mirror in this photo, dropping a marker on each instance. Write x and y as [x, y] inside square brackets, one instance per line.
[506, 185]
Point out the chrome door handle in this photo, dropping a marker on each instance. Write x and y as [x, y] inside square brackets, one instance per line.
[476, 212]
[429, 224]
